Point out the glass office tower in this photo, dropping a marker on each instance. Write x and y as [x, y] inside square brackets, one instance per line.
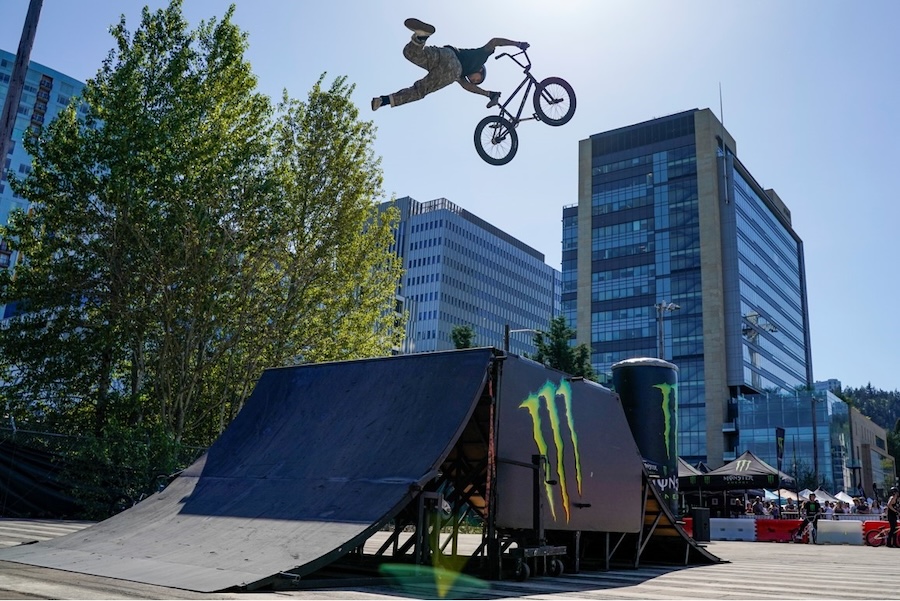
[460, 270]
[45, 94]
[675, 250]
[817, 443]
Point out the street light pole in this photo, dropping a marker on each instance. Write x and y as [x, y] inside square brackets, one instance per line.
[507, 332]
[661, 309]
[17, 80]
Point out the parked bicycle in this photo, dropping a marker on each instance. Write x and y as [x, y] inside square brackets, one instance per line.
[879, 537]
[496, 139]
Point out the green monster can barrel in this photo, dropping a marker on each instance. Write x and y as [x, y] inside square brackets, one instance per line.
[648, 389]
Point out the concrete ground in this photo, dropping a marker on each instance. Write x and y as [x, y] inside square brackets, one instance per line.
[755, 571]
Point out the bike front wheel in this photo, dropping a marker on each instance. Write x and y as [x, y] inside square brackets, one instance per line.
[496, 140]
[554, 101]
[874, 538]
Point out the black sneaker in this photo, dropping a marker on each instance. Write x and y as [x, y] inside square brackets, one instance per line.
[420, 28]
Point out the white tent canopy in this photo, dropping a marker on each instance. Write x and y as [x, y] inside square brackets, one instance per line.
[825, 496]
[787, 494]
[842, 496]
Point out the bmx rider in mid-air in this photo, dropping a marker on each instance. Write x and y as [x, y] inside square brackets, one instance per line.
[445, 65]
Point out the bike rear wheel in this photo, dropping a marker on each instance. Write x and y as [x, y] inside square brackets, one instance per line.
[554, 101]
[875, 538]
[496, 140]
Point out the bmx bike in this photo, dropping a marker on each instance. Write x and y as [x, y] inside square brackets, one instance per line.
[496, 139]
[879, 537]
[807, 534]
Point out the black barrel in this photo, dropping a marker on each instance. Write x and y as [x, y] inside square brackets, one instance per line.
[648, 389]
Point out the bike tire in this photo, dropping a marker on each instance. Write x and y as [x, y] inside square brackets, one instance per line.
[496, 140]
[554, 101]
[874, 538]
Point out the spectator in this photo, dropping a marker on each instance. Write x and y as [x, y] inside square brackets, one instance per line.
[829, 510]
[758, 507]
[876, 508]
[893, 507]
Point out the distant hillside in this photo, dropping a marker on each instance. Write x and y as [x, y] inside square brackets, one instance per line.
[880, 405]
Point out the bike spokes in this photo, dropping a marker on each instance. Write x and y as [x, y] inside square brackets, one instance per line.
[554, 101]
[496, 140]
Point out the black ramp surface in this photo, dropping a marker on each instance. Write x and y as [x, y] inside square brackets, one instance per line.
[320, 456]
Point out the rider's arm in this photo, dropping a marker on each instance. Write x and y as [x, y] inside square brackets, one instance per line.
[471, 87]
[494, 42]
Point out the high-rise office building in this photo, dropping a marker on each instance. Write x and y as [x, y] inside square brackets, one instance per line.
[45, 94]
[460, 270]
[674, 250]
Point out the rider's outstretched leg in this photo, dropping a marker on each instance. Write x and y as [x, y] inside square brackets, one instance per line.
[421, 29]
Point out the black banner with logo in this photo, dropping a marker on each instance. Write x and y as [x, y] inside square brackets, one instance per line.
[779, 447]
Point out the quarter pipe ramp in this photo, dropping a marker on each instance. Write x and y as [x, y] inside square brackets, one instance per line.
[322, 456]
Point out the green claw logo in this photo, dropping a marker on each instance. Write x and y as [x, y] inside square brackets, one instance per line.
[666, 390]
[546, 397]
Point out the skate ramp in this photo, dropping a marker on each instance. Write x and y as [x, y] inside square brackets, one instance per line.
[320, 457]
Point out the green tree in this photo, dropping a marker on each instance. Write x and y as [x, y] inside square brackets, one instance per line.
[804, 475]
[463, 336]
[555, 350]
[184, 235]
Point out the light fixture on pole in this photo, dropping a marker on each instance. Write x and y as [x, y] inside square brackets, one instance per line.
[661, 309]
[507, 332]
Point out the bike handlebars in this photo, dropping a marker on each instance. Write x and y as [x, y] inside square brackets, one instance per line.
[515, 60]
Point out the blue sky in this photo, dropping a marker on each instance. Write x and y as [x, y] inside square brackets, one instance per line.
[811, 91]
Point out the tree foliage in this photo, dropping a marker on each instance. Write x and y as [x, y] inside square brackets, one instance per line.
[185, 234]
[883, 408]
[463, 336]
[555, 350]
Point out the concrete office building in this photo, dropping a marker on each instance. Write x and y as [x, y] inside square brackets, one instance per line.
[674, 244]
[832, 384]
[871, 464]
[460, 270]
[45, 94]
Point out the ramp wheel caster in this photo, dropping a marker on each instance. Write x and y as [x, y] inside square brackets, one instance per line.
[522, 571]
[556, 568]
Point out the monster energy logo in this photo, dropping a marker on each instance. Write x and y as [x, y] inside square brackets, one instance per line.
[546, 397]
[666, 390]
[742, 465]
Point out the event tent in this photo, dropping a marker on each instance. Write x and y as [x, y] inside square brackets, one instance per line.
[842, 496]
[825, 496]
[746, 472]
[685, 469]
